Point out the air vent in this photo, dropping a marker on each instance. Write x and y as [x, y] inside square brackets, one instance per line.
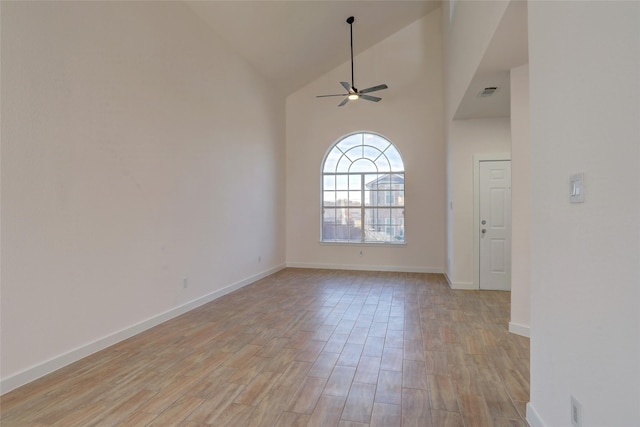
[487, 91]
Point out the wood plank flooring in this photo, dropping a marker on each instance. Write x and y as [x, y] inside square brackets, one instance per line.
[302, 348]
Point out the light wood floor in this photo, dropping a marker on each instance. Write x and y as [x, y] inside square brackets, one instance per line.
[303, 348]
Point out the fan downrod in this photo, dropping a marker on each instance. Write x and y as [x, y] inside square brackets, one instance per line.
[350, 21]
[352, 92]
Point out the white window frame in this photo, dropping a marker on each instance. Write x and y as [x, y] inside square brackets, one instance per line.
[353, 210]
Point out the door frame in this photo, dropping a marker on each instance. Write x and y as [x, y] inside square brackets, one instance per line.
[477, 158]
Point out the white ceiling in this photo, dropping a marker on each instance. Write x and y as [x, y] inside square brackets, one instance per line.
[295, 42]
[508, 49]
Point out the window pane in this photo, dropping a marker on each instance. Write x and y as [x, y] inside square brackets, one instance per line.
[343, 164]
[329, 182]
[371, 153]
[388, 198]
[331, 161]
[349, 142]
[396, 230]
[341, 198]
[329, 224]
[341, 231]
[329, 198]
[370, 181]
[376, 141]
[377, 198]
[355, 198]
[398, 198]
[395, 234]
[355, 225]
[367, 198]
[394, 159]
[372, 198]
[374, 229]
[342, 182]
[371, 185]
[383, 164]
[384, 181]
[362, 165]
[329, 216]
[398, 215]
[355, 181]
[354, 153]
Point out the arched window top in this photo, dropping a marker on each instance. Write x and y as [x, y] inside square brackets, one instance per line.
[363, 152]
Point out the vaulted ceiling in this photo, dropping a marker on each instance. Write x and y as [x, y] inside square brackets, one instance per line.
[295, 42]
[508, 49]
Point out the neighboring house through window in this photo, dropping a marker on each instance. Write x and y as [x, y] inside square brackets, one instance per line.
[363, 191]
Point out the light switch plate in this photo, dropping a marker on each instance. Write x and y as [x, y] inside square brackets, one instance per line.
[576, 188]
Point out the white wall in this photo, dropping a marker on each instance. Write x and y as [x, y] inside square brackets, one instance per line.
[137, 150]
[410, 114]
[520, 202]
[467, 33]
[467, 138]
[585, 283]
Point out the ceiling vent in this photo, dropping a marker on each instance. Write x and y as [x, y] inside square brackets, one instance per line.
[487, 91]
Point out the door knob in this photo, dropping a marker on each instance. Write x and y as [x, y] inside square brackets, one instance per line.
[484, 230]
[484, 222]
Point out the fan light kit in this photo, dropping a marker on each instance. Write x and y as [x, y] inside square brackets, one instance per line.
[354, 94]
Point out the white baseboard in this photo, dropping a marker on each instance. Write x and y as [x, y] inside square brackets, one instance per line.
[358, 267]
[51, 365]
[518, 329]
[533, 418]
[463, 286]
[449, 282]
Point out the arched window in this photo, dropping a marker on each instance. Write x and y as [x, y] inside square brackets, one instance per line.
[363, 191]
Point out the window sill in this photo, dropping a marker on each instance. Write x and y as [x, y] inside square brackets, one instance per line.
[370, 244]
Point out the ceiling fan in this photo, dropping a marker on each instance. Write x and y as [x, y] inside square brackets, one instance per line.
[353, 93]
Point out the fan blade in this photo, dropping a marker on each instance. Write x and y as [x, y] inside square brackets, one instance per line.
[338, 94]
[370, 98]
[344, 101]
[374, 88]
[347, 86]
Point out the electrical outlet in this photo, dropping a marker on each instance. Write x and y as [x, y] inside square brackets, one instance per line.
[259, 259]
[361, 253]
[185, 283]
[576, 412]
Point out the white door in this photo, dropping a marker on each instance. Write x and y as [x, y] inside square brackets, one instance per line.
[495, 225]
